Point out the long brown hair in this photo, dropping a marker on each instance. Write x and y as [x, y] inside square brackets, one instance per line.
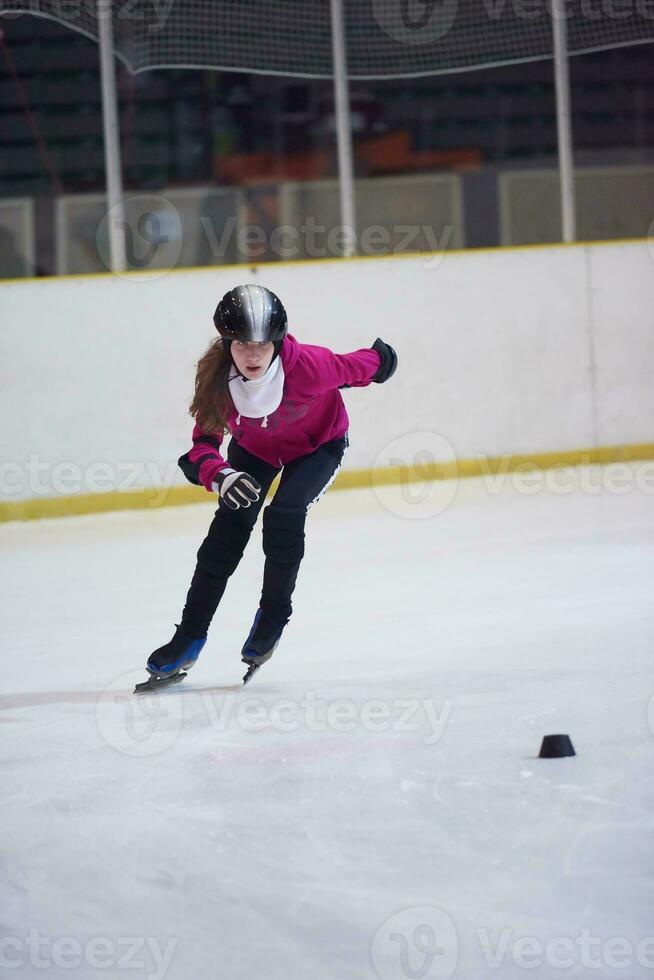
[212, 401]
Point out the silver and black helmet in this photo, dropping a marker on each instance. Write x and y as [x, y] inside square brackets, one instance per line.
[251, 313]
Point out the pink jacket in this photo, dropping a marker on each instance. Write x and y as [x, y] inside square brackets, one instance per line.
[312, 411]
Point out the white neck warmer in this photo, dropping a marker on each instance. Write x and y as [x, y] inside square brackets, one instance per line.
[258, 397]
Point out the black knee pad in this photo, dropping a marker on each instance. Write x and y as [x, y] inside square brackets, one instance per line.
[223, 547]
[283, 534]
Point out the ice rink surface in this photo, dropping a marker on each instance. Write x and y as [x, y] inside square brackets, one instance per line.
[372, 804]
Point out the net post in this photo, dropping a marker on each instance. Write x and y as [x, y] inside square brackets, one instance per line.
[563, 120]
[343, 128]
[113, 175]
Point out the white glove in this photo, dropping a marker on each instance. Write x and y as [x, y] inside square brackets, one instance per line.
[237, 489]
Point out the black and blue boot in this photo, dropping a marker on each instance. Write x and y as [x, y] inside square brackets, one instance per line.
[175, 656]
[263, 639]
[218, 557]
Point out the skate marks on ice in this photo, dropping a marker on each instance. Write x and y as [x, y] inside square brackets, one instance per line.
[35, 699]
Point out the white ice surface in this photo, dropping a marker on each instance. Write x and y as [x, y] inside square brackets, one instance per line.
[305, 853]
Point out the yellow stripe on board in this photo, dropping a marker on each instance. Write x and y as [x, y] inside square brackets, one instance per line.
[95, 503]
[279, 264]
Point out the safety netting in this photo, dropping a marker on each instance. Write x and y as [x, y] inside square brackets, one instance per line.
[384, 38]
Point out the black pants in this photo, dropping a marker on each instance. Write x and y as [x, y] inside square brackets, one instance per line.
[303, 482]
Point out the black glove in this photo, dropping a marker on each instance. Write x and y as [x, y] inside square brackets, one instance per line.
[236, 488]
[388, 364]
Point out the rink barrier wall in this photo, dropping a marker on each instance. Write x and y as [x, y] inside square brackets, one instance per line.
[522, 353]
[176, 496]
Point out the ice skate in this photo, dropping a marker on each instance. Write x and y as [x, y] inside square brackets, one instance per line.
[168, 664]
[261, 643]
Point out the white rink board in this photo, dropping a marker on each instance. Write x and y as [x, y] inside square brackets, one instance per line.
[497, 354]
[623, 329]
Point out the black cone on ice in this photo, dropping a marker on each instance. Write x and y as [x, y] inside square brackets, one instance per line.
[556, 747]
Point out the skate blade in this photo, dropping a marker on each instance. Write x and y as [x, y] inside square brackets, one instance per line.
[156, 683]
[251, 671]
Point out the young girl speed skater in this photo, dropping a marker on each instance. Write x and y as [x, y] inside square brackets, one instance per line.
[280, 401]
